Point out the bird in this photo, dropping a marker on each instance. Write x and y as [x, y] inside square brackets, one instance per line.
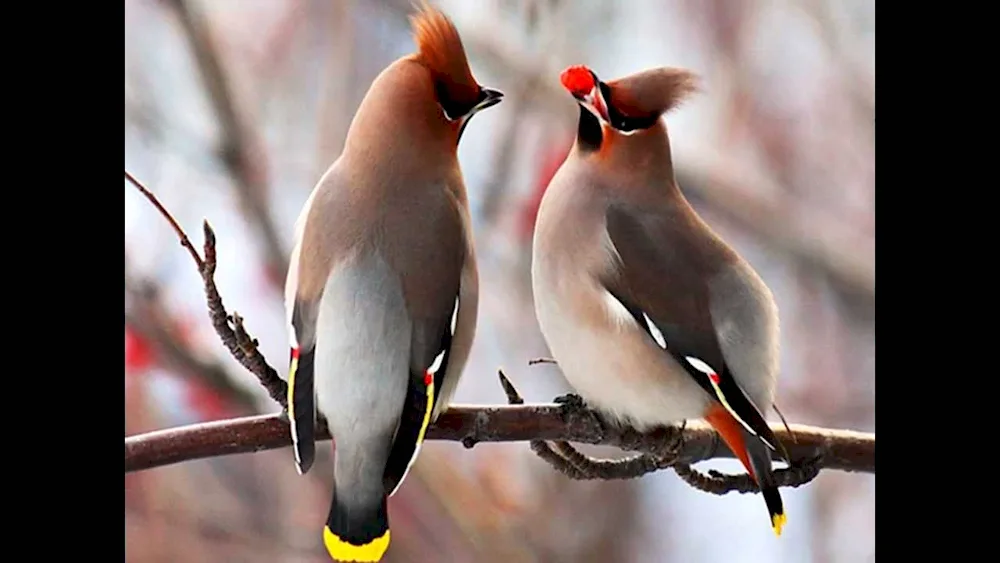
[382, 291]
[651, 316]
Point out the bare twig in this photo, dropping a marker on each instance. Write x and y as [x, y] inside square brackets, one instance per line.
[719, 483]
[627, 468]
[241, 345]
[185, 241]
[537, 361]
[541, 447]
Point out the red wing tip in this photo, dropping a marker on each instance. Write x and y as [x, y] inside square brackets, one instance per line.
[578, 80]
[428, 379]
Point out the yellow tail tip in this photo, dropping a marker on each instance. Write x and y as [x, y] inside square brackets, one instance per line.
[342, 551]
[777, 522]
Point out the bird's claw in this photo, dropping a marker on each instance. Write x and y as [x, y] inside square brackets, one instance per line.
[674, 443]
[571, 401]
[574, 404]
[808, 463]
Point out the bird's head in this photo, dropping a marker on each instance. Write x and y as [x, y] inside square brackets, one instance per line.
[631, 103]
[441, 51]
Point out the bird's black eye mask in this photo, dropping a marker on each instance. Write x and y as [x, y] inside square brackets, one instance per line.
[590, 135]
[488, 97]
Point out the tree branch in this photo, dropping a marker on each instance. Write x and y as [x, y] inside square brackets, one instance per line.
[842, 450]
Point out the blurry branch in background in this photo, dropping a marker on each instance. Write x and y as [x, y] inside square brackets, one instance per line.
[818, 447]
[216, 531]
[145, 115]
[859, 84]
[726, 187]
[335, 22]
[518, 103]
[240, 151]
[147, 316]
[503, 157]
[718, 187]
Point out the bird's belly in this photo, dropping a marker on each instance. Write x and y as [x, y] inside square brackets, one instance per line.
[618, 369]
[363, 348]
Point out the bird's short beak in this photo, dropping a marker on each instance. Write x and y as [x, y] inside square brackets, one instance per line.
[492, 97]
[594, 101]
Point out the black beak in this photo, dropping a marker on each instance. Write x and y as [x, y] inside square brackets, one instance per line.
[491, 98]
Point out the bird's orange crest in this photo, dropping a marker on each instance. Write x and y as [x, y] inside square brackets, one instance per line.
[578, 80]
[440, 48]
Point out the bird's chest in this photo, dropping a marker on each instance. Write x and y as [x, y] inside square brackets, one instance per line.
[591, 359]
[603, 353]
[606, 356]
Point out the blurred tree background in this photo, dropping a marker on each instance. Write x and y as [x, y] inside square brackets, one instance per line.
[233, 110]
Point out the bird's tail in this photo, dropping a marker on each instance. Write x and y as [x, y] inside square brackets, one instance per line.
[760, 460]
[755, 457]
[353, 534]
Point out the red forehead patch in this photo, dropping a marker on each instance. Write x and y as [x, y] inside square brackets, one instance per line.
[578, 80]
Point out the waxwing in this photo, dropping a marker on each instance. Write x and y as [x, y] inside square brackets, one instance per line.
[382, 290]
[652, 318]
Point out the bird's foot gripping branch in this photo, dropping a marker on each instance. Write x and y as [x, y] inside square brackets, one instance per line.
[661, 448]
